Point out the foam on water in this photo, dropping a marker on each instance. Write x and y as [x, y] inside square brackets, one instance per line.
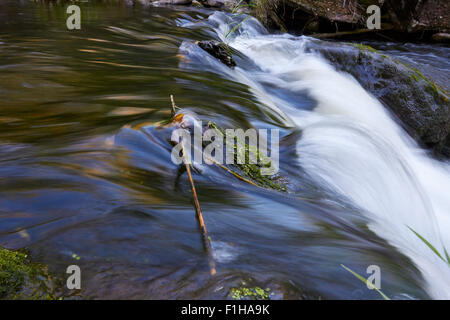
[351, 146]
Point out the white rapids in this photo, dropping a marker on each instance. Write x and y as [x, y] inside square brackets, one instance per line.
[352, 146]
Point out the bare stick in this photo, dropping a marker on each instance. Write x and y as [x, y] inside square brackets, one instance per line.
[206, 239]
[347, 33]
[232, 172]
[198, 210]
[173, 105]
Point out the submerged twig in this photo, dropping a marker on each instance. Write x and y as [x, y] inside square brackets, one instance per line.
[173, 105]
[206, 239]
[233, 173]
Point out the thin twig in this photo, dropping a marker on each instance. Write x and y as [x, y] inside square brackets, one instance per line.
[198, 210]
[173, 105]
[206, 239]
[232, 172]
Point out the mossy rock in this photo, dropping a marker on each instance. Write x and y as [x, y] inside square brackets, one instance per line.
[22, 279]
[219, 50]
[420, 104]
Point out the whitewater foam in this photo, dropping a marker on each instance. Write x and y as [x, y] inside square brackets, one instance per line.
[351, 145]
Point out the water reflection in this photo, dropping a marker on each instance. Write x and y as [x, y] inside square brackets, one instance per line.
[83, 171]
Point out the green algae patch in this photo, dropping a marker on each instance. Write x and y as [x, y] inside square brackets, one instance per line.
[431, 87]
[413, 73]
[244, 293]
[361, 46]
[248, 160]
[417, 101]
[248, 169]
[22, 279]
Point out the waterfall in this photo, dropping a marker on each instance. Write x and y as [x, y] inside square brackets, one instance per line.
[350, 145]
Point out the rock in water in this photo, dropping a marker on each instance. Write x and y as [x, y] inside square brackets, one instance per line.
[218, 50]
[420, 104]
[215, 3]
[226, 4]
[176, 2]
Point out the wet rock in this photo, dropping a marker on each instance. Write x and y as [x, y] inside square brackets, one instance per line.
[174, 2]
[218, 50]
[144, 3]
[197, 3]
[441, 37]
[22, 279]
[420, 105]
[215, 3]
[226, 4]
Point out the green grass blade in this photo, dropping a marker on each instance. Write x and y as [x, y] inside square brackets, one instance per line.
[237, 6]
[385, 297]
[237, 26]
[429, 245]
[447, 256]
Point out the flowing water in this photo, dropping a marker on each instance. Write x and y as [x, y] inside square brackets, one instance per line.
[84, 173]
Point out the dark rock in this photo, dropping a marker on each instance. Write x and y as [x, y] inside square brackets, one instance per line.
[226, 4]
[330, 15]
[311, 27]
[398, 16]
[340, 11]
[420, 105]
[419, 15]
[218, 50]
[175, 2]
[215, 3]
[144, 3]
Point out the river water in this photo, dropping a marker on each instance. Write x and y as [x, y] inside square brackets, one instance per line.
[86, 178]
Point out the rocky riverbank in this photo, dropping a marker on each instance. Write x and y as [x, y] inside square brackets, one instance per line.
[400, 20]
[412, 20]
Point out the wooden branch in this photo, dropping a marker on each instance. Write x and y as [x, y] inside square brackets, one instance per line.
[206, 239]
[232, 172]
[173, 105]
[347, 33]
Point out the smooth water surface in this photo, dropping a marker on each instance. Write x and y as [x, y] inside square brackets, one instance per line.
[84, 171]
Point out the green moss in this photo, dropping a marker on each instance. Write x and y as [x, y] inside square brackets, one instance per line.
[413, 73]
[252, 171]
[363, 47]
[21, 279]
[430, 86]
[255, 293]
